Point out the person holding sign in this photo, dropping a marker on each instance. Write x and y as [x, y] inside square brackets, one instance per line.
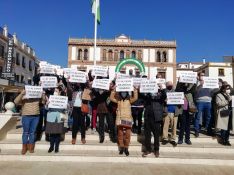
[30, 117]
[186, 110]
[55, 122]
[225, 120]
[153, 117]
[203, 98]
[170, 119]
[124, 118]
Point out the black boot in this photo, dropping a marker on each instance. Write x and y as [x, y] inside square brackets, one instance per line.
[51, 149]
[121, 150]
[126, 152]
[102, 139]
[57, 142]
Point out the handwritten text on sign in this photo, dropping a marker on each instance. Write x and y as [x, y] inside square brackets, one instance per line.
[77, 77]
[47, 70]
[174, 98]
[188, 77]
[211, 82]
[58, 102]
[101, 84]
[48, 81]
[33, 91]
[149, 86]
[123, 85]
[137, 81]
[100, 71]
[68, 71]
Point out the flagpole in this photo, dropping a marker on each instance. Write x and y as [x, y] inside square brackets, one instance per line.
[95, 35]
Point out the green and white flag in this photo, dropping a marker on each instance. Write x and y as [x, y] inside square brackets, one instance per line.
[98, 10]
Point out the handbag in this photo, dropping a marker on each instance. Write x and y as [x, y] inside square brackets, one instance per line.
[84, 108]
[126, 123]
[225, 113]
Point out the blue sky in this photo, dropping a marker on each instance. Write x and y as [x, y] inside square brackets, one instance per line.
[202, 28]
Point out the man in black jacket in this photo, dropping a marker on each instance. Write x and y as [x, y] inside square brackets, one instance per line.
[153, 117]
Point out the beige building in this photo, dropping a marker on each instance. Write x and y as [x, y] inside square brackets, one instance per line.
[157, 56]
[24, 58]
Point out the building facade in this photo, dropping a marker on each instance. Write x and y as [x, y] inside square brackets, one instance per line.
[157, 56]
[24, 58]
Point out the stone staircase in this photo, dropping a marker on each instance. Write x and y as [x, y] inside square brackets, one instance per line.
[204, 151]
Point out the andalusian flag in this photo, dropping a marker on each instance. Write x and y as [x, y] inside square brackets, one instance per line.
[96, 12]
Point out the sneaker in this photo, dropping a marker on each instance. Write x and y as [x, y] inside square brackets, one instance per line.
[196, 134]
[156, 153]
[173, 143]
[164, 142]
[145, 154]
[188, 142]
[93, 131]
[180, 142]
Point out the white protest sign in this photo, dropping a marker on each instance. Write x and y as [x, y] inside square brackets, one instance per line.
[136, 81]
[100, 71]
[58, 102]
[161, 80]
[175, 98]
[101, 84]
[122, 76]
[47, 70]
[211, 82]
[123, 85]
[77, 77]
[188, 77]
[68, 71]
[48, 81]
[33, 91]
[59, 72]
[232, 101]
[149, 86]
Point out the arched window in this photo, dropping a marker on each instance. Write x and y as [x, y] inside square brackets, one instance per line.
[79, 56]
[104, 55]
[116, 55]
[158, 56]
[128, 54]
[121, 56]
[140, 55]
[86, 54]
[133, 54]
[164, 57]
[110, 55]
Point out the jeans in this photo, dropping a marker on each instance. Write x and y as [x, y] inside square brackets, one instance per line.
[29, 128]
[204, 108]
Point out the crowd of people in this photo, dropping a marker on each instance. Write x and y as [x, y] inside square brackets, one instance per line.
[121, 113]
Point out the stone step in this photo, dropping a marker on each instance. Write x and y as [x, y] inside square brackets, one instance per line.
[111, 153]
[134, 138]
[195, 148]
[119, 159]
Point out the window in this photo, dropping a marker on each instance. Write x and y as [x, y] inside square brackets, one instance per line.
[158, 57]
[86, 54]
[163, 74]
[22, 79]
[221, 72]
[110, 55]
[30, 65]
[116, 55]
[17, 78]
[1, 51]
[79, 56]
[139, 54]
[133, 54]
[23, 62]
[104, 54]
[164, 59]
[127, 54]
[121, 56]
[17, 59]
